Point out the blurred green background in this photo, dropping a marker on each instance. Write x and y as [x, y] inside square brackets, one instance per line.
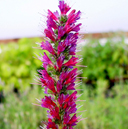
[105, 89]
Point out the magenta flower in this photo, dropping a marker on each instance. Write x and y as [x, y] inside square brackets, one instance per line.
[46, 61]
[51, 23]
[72, 17]
[59, 74]
[72, 62]
[60, 61]
[48, 103]
[61, 32]
[52, 15]
[47, 46]
[61, 47]
[64, 8]
[50, 34]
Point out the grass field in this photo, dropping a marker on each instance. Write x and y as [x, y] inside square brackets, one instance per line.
[102, 113]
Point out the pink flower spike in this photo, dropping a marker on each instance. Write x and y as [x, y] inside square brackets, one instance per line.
[59, 77]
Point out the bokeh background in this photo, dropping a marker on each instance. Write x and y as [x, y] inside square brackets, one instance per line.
[104, 49]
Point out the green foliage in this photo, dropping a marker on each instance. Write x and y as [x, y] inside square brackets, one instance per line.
[105, 113]
[17, 63]
[102, 113]
[19, 112]
[105, 61]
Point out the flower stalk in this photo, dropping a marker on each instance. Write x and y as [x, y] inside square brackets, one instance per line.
[59, 74]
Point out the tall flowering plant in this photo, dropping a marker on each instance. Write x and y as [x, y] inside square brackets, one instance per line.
[59, 75]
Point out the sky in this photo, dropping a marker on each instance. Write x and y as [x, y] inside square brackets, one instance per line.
[26, 18]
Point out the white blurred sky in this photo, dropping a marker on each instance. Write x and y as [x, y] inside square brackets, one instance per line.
[22, 18]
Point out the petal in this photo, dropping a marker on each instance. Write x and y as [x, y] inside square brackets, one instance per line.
[64, 8]
[47, 46]
[52, 15]
[50, 34]
[60, 61]
[72, 62]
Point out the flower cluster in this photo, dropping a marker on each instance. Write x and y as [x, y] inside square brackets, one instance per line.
[59, 75]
